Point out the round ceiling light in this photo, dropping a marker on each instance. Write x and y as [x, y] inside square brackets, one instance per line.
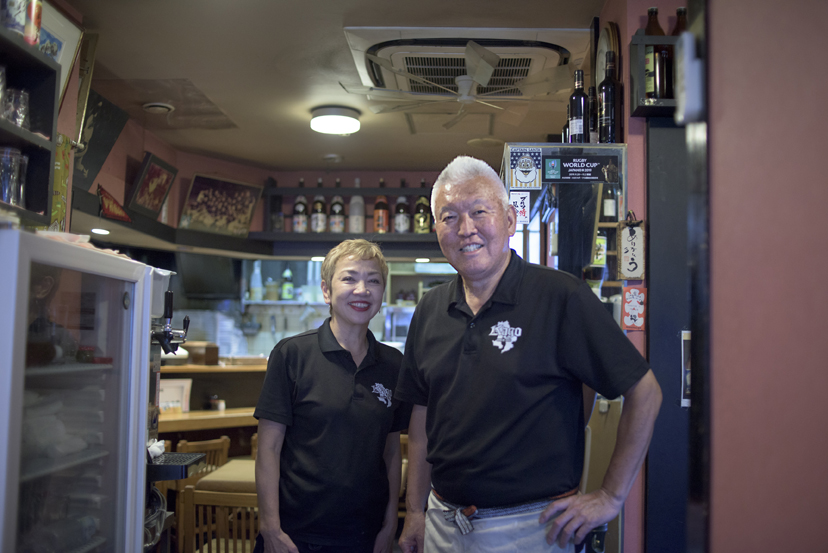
[158, 108]
[335, 120]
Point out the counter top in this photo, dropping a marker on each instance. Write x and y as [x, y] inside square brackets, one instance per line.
[215, 368]
[205, 420]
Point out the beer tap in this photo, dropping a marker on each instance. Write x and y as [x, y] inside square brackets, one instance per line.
[168, 337]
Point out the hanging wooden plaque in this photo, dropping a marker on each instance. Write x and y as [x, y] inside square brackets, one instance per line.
[631, 245]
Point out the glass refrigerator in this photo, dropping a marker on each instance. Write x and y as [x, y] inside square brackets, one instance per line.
[74, 360]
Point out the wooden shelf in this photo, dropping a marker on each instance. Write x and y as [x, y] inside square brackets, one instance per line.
[215, 368]
[206, 420]
[608, 225]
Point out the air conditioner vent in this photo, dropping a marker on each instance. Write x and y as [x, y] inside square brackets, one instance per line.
[442, 70]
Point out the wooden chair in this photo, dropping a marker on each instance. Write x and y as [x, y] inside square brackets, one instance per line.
[254, 445]
[216, 455]
[216, 522]
[404, 476]
[165, 486]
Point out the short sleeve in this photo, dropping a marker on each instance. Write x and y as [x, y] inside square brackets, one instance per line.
[597, 351]
[411, 385]
[275, 403]
[402, 415]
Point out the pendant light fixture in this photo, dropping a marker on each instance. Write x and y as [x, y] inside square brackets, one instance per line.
[335, 120]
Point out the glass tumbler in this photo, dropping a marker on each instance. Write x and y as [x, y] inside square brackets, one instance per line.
[16, 107]
[21, 181]
[9, 175]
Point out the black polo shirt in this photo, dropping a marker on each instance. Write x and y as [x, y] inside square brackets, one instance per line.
[333, 487]
[505, 419]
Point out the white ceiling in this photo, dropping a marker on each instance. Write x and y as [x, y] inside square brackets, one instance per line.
[267, 63]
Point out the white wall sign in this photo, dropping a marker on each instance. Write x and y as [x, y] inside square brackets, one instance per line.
[631, 252]
[521, 202]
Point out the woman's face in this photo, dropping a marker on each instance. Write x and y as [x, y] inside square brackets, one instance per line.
[356, 290]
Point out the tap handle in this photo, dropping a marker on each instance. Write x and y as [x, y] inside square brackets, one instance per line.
[168, 304]
[186, 325]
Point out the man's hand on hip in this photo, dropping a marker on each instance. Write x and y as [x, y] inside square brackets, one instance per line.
[577, 515]
[412, 538]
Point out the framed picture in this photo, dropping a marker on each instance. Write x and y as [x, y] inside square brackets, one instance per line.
[219, 205]
[152, 186]
[174, 395]
[60, 39]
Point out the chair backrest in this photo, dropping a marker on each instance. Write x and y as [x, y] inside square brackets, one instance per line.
[254, 445]
[216, 522]
[216, 451]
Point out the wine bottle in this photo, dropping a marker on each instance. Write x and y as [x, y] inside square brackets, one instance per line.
[356, 212]
[609, 205]
[565, 129]
[681, 22]
[579, 112]
[381, 214]
[655, 59]
[609, 105]
[300, 214]
[593, 116]
[402, 216]
[422, 212]
[337, 217]
[319, 215]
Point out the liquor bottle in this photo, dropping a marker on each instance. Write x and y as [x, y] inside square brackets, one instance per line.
[609, 105]
[655, 59]
[337, 217]
[402, 216]
[319, 215]
[579, 112]
[609, 205]
[287, 284]
[565, 129]
[356, 212]
[381, 214]
[600, 257]
[681, 22]
[300, 214]
[422, 212]
[593, 116]
[256, 288]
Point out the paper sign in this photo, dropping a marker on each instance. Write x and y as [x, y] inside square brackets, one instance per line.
[525, 168]
[630, 248]
[580, 168]
[521, 202]
[635, 308]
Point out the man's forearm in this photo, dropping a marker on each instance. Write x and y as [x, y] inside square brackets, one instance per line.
[635, 429]
[419, 470]
[393, 464]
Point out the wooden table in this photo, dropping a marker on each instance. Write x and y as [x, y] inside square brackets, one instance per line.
[205, 420]
[237, 476]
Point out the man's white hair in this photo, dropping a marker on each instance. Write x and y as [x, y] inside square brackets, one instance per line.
[465, 169]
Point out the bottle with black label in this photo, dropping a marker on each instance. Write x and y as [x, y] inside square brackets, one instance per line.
[381, 214]
[565, 129]
[422, 212]
[593, 116]
[319, 216]
[609, 205]
[609, 105]
[402, 216]
[300, 214]
[579, 112]
[655, 59]
[337, 217]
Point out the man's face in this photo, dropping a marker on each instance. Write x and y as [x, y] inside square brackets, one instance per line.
[473, 228]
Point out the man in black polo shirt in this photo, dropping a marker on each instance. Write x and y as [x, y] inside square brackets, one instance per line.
[495, 363]
[328, 467]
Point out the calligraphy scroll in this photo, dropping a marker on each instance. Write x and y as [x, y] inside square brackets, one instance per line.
[631, 248]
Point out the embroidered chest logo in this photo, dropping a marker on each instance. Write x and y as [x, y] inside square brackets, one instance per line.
[506, 336]
[383, 393]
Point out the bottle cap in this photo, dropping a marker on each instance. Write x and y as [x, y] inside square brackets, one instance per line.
[402, 200]
[356, 182]
[319, 198]
[301, 199]
[681, 11]
[652, 11]
[336, 199]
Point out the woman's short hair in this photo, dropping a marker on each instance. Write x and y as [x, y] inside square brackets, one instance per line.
[464, 169]
[357, 248]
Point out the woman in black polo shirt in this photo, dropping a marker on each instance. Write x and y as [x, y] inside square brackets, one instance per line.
[328, 464]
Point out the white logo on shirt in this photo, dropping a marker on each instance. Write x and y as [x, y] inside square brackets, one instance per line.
[383, 393]
[506, 335]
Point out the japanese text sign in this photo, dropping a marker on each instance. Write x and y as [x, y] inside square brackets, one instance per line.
[635, 308]
[631, 247]
[521, 202]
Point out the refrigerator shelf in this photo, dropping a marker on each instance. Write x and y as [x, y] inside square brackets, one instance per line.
[97, 541]
[66, 368]
[40, 467]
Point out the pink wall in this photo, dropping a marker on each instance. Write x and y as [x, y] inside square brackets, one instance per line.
[767, 147]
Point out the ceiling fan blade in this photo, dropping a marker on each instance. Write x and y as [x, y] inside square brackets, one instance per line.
[401, 107]
[457, 118]
[515, 114]
[548, 81]
[488, 104]
[385, 64]
[383, 93]
[480, 63]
